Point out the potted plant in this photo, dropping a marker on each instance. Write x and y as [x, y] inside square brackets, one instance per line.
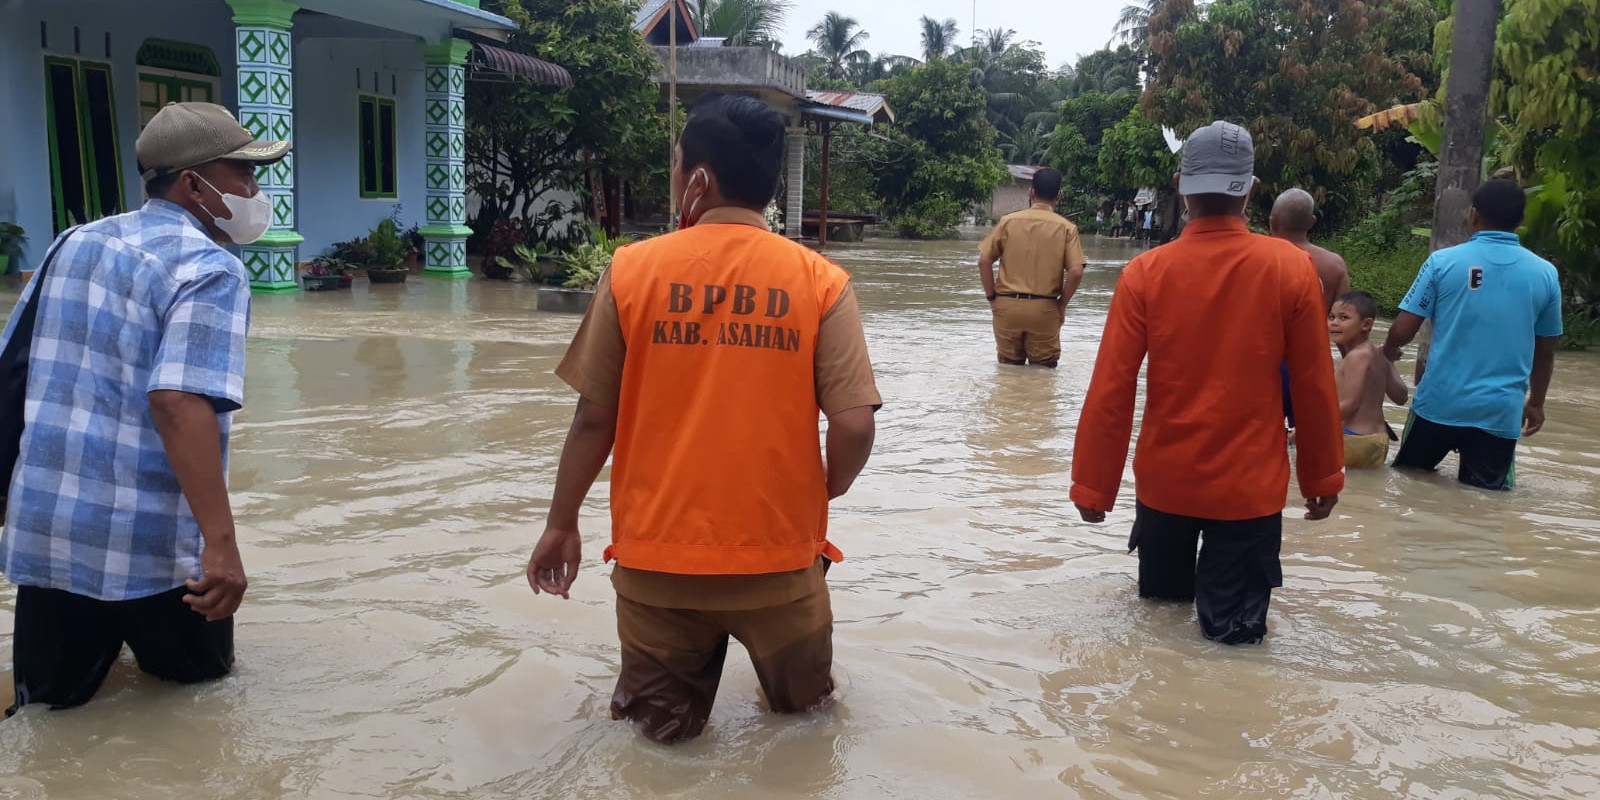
[386, 250]
[415, 244]
[11, 240]
[583, 266]
[538, 264]
[325, 272]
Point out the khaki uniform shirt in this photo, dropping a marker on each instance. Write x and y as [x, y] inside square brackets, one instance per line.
[844, 380]
[1035, 247]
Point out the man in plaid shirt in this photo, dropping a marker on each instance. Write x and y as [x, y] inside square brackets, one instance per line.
[118, 527]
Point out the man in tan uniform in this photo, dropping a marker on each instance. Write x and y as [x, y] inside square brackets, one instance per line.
[1041, 264]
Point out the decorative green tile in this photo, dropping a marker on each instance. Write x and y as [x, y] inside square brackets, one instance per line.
[437, 111]
[437, 144]
[252, 86]
[458, 80]
[458, 111]
[437, 79]
[251, 45]
[438, 207]
[282, 127]
[258, 263]
[279, 48]
[283, 210]
[256, 122]
[282, 89]
[458, 145]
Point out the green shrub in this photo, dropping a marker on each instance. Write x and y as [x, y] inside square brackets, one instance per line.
[1386, 274]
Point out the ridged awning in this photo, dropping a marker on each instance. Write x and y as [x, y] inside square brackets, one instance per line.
[516, 65]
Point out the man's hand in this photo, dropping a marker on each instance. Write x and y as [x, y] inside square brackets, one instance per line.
[1091, 515]
[1532, 419]
[554, 564]
[1321, 507]
[221, 587]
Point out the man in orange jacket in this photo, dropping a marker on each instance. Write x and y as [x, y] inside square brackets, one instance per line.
[1217, 312]
[705, 359]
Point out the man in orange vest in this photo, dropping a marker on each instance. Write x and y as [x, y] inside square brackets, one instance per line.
[704, 360]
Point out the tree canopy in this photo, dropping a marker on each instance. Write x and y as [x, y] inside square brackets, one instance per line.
[525, 141]
[1297, 74]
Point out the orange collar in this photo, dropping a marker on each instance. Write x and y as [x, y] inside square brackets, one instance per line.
[733, 215]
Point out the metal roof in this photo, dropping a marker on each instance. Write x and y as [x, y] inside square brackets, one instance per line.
[507, 62]
[830, 112]
[875, 106]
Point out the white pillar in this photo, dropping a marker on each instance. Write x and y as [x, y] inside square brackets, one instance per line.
[794, 205]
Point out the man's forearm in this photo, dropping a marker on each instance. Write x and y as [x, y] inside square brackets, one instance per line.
[850, 436]
[1069, 287]
[589, 443]
[193, 441]
[1544, 368]
[986, 275]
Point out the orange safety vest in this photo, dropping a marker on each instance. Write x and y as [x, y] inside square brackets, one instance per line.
[718, 465]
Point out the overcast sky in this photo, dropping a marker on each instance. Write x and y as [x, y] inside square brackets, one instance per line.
[1065, 28]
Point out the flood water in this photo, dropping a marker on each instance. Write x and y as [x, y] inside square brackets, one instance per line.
[397, 452]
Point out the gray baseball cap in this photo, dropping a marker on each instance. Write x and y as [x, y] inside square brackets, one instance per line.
[1218, 159]
[185, 135]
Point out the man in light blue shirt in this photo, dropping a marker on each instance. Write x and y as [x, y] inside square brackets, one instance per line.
[1496, 311]
[118, 528]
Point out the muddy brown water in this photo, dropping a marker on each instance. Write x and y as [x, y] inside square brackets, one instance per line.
[397, 452]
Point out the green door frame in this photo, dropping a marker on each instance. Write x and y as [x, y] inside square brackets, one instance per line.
[87, 158]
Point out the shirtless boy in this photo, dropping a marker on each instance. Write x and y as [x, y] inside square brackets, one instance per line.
[1364, 377]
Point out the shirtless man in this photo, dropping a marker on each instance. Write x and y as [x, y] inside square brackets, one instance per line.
[1294, 214]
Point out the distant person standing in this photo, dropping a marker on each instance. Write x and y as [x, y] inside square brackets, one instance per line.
[1149, 223]
[1496, 312]
[706, 359]
[1130, 220]
[1216, 312]
[118, 527]
[1099, 221]
[1041, 265]
[1294, 214]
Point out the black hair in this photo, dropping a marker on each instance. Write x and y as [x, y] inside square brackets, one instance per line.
[1366, 305]
[1500, 204]
[160, 184]
[741, 140]
[1047, 184]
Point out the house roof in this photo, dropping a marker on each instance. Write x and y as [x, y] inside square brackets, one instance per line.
[1022, 172]
[875, 106]
[653, 12]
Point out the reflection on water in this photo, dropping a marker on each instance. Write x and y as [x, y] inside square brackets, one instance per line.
[396, 455]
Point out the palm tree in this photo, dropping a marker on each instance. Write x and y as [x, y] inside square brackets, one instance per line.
[938, 38]
[997, 40]
[1029, 144]
[864, 71]
[744, 23]
[838, 39]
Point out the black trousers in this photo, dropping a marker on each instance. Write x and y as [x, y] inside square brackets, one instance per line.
[1487, 461]
[64, 644]
[1230, 582]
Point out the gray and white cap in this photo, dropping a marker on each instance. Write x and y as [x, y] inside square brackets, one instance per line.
[1218, 159]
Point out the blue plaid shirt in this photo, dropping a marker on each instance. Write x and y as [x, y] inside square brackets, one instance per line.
[135, 303]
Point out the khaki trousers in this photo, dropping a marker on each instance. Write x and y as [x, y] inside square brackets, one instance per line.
[1027, 331]
[672, 660]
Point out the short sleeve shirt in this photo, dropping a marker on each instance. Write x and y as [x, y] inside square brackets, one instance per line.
[844, 380]
[132, 304]
[1035, 248]
[1488, 298]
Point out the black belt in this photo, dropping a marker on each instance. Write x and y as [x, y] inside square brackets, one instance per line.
[1030, 297]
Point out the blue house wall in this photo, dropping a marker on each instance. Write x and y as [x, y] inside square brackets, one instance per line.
[326, 108]
[336, 59]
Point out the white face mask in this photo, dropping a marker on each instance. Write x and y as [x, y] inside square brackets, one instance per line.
[252, 215]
